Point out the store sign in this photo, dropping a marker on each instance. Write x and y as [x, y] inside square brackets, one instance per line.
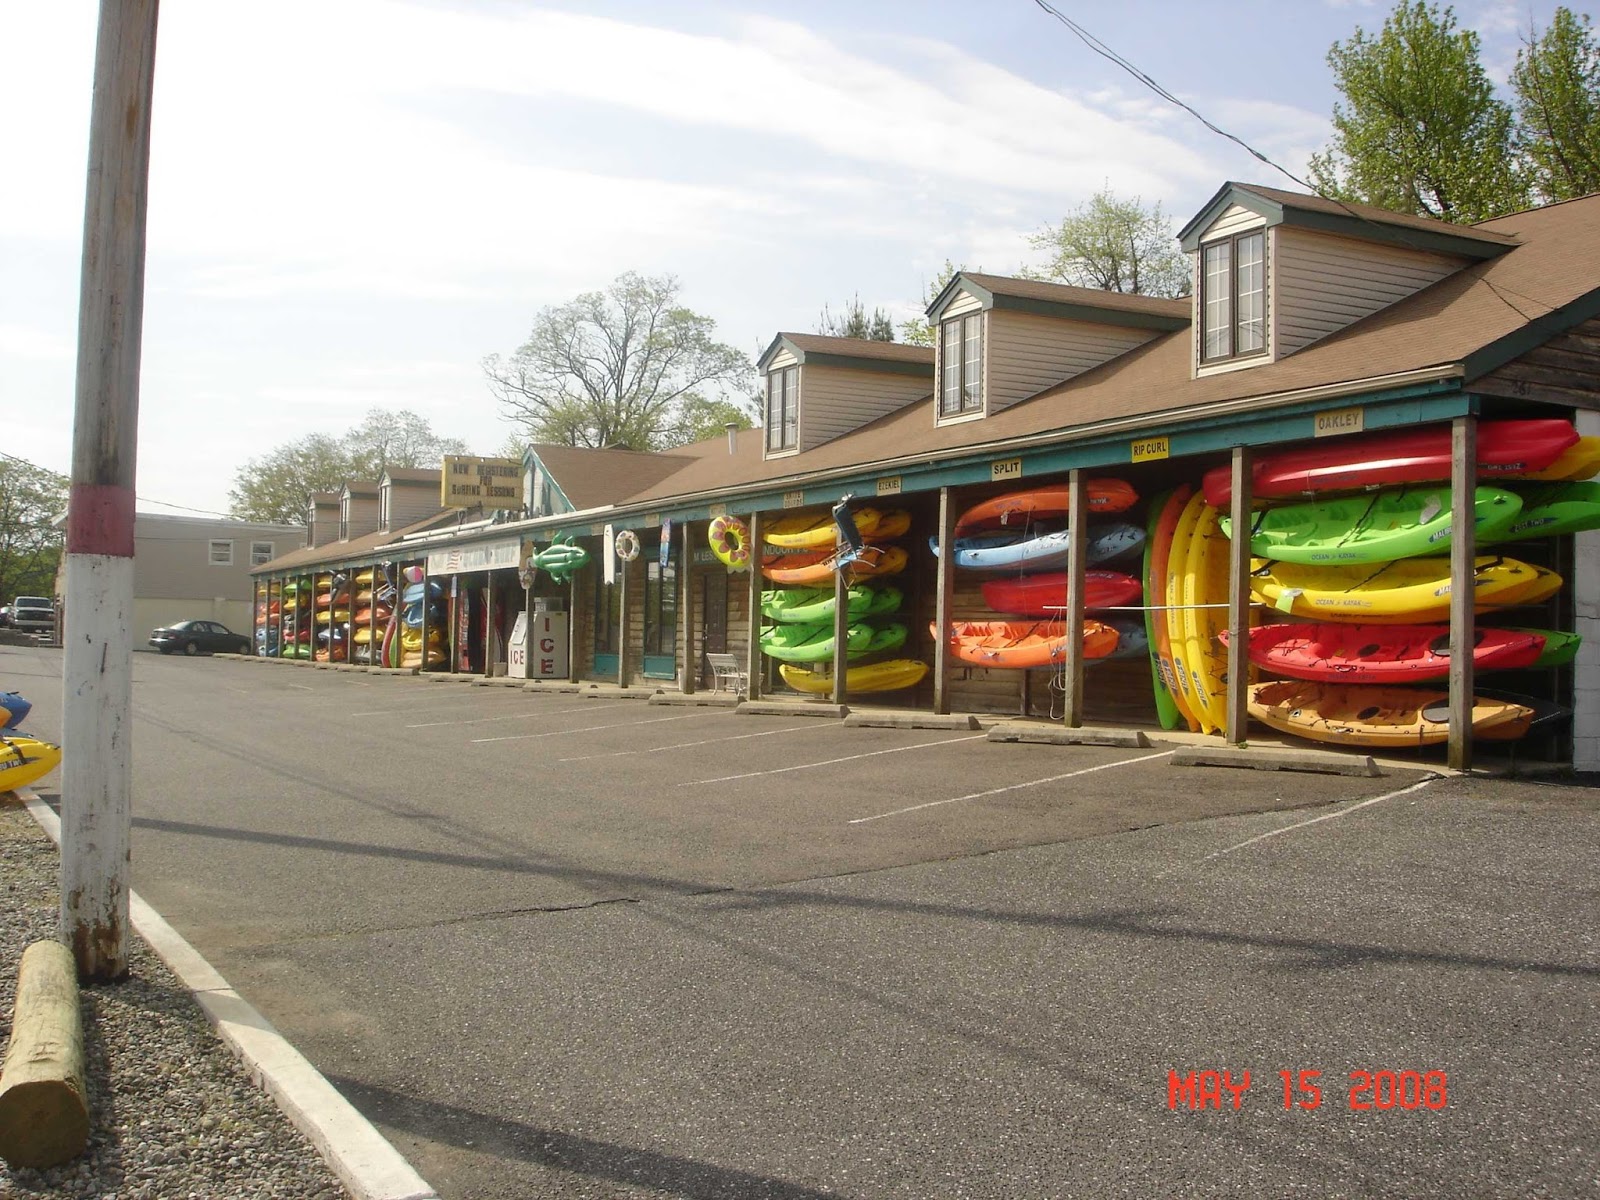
[794, 499]
[467, 482]
[716, 510]
[1340, 420]
[1005, 469]
[490, 556]
[889, 485]
[1149, 449]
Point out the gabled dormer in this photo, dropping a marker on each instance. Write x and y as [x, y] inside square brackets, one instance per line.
[819, 387]
[405, 496]
[1001, 340]
[322, 518]
[358, 510]
[1275, 271]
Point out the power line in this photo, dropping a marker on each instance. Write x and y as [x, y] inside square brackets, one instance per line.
[209, 512]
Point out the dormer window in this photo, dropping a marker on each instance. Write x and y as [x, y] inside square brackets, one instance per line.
[1233, 297]
[783, 409]
[961, 365]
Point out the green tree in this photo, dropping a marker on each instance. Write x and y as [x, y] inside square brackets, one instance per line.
[917, 331]
[855, 323]
[1115, 245]
[31, 498]
[618, 367]
[1556, 85]
[1420, 129]
[274, 487]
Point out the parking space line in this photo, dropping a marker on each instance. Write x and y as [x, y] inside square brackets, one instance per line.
[831, 761]
[1272, 833]
[522, 737]
[1012, 787]
[737, 737]
[539, 712]
[301, 686]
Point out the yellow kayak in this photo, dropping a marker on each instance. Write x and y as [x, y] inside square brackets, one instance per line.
[1406, 591]
[1367, 715]
[1581, 460]
[816, 530]
[1206, 584]
[25, 759]
[888, 676]
[1177, 602]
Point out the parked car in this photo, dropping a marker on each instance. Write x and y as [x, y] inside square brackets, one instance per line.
[33, 614]
[200, 637]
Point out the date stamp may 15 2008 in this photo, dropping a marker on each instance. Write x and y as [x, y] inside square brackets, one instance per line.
[1368, 1091]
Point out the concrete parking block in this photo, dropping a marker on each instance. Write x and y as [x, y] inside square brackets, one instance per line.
[791, 708]
[697, 700]
[911, 720]
[622, 693]
[1317, 762]
[1061, 735]
[546, 685]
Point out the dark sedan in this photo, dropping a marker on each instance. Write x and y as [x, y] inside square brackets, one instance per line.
[200, 637]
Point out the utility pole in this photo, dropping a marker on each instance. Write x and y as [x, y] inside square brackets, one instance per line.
[97, 769]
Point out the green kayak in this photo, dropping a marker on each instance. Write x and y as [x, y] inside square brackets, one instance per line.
[814, 643]
[1554, 509]
[1375, 527]
[1559, 648]
[810, 605]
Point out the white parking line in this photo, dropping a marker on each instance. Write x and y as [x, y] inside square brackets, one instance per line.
[303, 687]
[828, 762]
[1012, 787]
[538, 712]
[738, 737]
[1272, 833]
[522, 737]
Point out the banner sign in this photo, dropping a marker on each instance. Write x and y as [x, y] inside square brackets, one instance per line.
[491, 556]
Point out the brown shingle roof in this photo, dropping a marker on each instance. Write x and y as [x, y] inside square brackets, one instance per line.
[590, 478]
[1473, 320]
[1079, 297]
[356, 549]
[817, 343]
[413, 475]
[1305, 202]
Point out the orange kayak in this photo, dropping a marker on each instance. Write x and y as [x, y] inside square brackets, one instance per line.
[1022, 644]
[1043, 503]
[876, 560]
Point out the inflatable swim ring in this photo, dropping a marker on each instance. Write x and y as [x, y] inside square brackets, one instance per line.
[730, 542]
[627, 545]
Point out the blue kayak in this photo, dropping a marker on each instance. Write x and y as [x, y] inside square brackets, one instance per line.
[1021, 550]
[14, 708]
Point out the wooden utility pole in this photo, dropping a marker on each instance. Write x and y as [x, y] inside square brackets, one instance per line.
[1072, 615]
[1463, 587]
[97, 770]
[1238, 704]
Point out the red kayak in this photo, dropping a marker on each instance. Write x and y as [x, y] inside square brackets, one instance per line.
[1382, 653]
[1045, 594]
[1045, 503]
[1410, 455]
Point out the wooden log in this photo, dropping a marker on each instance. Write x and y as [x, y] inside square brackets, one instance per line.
[44, 1113]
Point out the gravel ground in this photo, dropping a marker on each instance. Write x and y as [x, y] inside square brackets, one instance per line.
[173, 1114]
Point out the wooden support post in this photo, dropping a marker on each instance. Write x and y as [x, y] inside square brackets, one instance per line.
[1077, 561]
[422, 663]
[841, 634]
[622, 622]
[452, 635]
[1463, 586]
[755, 682]
[573, 674]
[689, 675]
[944, 602]
[490, 629]
[44, 1113]
[1238, 700]
[97, 667]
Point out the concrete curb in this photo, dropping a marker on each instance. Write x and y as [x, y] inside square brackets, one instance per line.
[359, 1155]
[866, 718]
[1060, 735]
[559, 689]
[622, 693]
[1316, 762]
[792, 708]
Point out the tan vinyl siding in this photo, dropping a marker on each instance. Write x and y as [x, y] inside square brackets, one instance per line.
[783, 358]
[1324, 283]
[410, 503]
[838, 400]
[962, 303]
[1027, 353]
[1234, 219]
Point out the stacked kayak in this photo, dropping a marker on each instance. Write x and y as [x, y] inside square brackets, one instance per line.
[811, 605]
[800, 550]
[1392, 717]
[814, 643]
[374, 627]
[14, 709]
[1408, 591]
[1049, 502]
[422, 601]
[25, 760]
[333, 618]
[1022, 549]
[1020, 645]
[1045, 594]
[890, 675]
[1338, 653]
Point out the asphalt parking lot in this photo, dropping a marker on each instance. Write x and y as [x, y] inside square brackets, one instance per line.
[571, 946]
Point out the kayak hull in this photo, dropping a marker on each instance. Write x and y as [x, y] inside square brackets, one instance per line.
[1387, 717]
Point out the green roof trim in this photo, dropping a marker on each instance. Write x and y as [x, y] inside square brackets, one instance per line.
[1532, 335]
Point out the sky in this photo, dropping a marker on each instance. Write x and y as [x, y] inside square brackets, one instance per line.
[354, 202]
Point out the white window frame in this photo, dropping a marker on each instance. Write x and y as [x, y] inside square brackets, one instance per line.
[783, 409]
[384, 504]
[961, 366]
[262, 552]
[211, 552]
[344, 519]
[1224, 320]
